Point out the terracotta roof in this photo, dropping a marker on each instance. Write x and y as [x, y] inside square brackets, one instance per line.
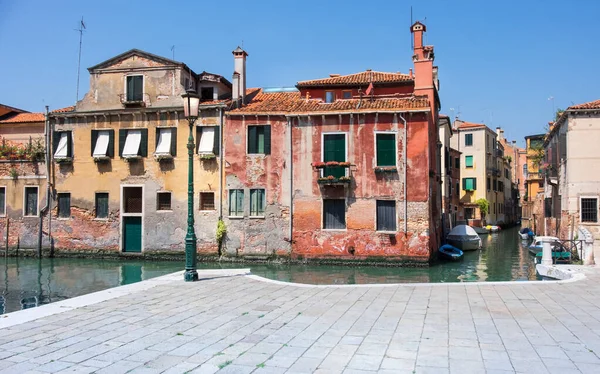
[295, 103]
[249, 95]
[64, 110]
[24, 117]
[364, 77]
[590, 105]
[469, 125]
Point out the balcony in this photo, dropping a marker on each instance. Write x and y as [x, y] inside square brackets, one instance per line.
[333, 173]
[499, 153]
[139, 100]
[493, 171]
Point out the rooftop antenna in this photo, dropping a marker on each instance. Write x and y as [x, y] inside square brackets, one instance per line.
[173, 50]
[80, 30]
[551, 98]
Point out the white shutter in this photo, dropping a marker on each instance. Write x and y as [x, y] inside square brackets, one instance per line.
[164, 142]
[132, 143]
[101, 144]
[61, 150]
[207, 140]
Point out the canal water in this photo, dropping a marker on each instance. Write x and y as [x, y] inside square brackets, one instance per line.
[29, 282]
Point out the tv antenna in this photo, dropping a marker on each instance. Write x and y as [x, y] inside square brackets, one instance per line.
[80, 30]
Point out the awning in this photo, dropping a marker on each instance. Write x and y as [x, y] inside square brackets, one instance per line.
[101, 144]
[61, 149]
[132, 143]
[207, 140]
[164, 142]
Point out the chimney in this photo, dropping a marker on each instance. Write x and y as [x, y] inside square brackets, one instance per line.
[238, 93]
[423, 60]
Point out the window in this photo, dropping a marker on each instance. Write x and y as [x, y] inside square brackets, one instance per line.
[334, 214]
[386, 215]
[469, 184]
[236, 203]
[135, 86]
[132, 199]
[386, 149]
[468, 161]
[457, 162]
[536, 143]
[329, 96]
[506, 173]
[257, 202]
[468, 139]
[64, 205]
[208, 140]
[63, 145]
[166, 142]
[2, 201]
[525, 171]
[259, 139]
[207, 201]
[589, 209]
[206, 93]
[334, 149]
[469, 213]
[457, 188]
[31, 201]
[487, 183]
[163, 201]
[103, 143]
[347, 94]
[101, 205]
[133, 143]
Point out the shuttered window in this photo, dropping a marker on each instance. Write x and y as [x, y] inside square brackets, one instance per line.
[236, 203]
[257, 202]
[163, 201]
[2, 201]
[133, 142]
[101, 205]
[135, 85]
[589, 209]
[468, 161]
[103, 143]
[62, 144]
[386, 215]
[64, 205]
[259, 139]
[457, 162]
[468, 139]
[386, 149]
[31, 201]
[334, 149]
[469, 184]
[334, 214]
[207, 201]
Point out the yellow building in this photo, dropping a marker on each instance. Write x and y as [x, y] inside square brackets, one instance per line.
[534, 182]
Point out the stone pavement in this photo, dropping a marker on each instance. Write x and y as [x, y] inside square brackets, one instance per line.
[234, 323]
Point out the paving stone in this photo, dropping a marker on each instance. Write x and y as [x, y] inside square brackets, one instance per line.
[365, 362]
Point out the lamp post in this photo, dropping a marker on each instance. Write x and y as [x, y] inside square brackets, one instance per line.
[191, 101]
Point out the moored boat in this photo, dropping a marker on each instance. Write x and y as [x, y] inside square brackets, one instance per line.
[538, 243]
[558, 257]
[481, 230]
[526, 233]
[464, 237]
[451, 253]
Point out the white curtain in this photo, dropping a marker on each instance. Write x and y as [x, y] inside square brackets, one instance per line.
[132, 143]
[207, 140]
[164, 141]
[61, 150]
[101, 144]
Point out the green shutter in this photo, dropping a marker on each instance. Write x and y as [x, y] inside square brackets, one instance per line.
[174, 141]
[240, 203]
[144, 143]
[469, 161]
[217, 142]
[464, 183]
[260, 139]
[122, 138]
[55, 141]
[156, 138]
[252, 139]
[386, 149]
[69, 144]
[129, 88]
[138, 85]
[474, 183]
[267, 139]
[110, 152]
[94, 139]
[334, 150]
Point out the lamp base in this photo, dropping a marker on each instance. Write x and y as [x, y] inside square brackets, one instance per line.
[190, 275]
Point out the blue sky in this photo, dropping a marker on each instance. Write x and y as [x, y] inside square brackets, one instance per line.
[499, 61]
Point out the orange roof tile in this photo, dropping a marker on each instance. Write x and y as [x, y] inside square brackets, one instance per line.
[469, 125]
[24, 117]
[295, 103]
[63, 110]
[364, 77]
[590, 105]
[249, 93]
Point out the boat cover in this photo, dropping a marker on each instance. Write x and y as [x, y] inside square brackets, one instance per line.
[463, 230]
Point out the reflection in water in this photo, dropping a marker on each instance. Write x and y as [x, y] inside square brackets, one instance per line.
[29, 282]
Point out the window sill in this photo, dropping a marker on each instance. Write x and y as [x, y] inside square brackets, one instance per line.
[36, 216]
[101, 158]
[235, 217]
[257, 217]
[163, 156]
[164, 210]
[63, 160]
[386, 232]
[101, 219]
[331, 230]
[207, 210]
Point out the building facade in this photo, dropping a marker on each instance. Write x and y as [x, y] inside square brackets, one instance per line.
[534, 183]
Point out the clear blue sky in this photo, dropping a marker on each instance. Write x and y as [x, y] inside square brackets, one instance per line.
[499, 61]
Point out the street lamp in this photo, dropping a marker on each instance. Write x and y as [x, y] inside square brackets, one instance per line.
[191, 101]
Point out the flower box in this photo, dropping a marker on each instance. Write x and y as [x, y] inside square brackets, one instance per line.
[207, 156]
[101, 158]
[331, 164]
[63, 160]
[385, 169]
[331, 180]
[163, 156]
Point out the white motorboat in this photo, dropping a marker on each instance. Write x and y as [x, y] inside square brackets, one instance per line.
[464, 237]
[538, 242]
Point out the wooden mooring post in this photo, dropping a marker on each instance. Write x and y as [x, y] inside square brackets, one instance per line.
[7, 228]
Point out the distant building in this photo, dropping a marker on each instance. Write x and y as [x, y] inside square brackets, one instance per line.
[513, 178]
[534, 182]
[450, 172]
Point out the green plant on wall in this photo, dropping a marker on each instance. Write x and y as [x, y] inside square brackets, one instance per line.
[221, 231]
[14, 174]
[484, 207]
[536, 155]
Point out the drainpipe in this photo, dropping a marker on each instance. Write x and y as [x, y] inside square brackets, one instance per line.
[404, 156]
[221, 151]
[46, 160]
[291, 167]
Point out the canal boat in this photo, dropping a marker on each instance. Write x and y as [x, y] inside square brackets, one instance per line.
[464, 237]
[451, 253]
[481, 230]
[493, 228]
[538, 241]
[526, 233]
[558, 257]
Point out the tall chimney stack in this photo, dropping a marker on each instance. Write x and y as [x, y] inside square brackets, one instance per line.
[239, 76]
[423, 60]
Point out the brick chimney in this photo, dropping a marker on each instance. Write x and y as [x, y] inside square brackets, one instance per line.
[238, 93]
[423, 60]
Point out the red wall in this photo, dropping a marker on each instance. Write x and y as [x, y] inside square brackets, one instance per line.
[316, 93]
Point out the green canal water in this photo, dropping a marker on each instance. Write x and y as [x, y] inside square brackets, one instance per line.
[28, 282]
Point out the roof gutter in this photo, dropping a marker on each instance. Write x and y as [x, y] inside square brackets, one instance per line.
[306, 114]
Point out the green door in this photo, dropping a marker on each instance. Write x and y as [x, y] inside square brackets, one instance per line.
[132, 234]
[131, 274]
[334, 150]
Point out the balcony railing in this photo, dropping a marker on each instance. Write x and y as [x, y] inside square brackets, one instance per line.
[333, 173]
[134, 100]
[493, 171]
